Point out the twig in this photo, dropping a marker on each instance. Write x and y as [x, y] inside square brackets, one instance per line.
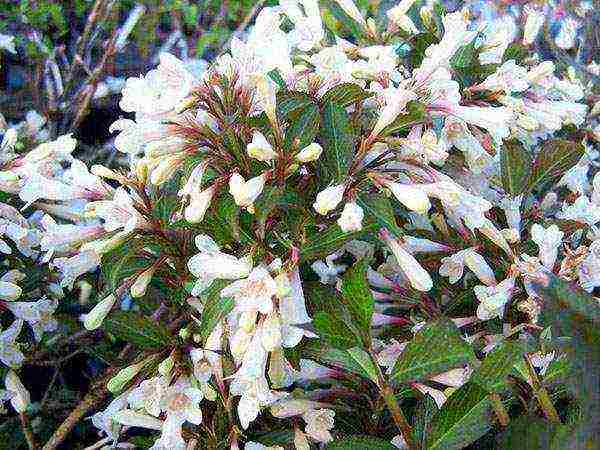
[541, 393]
[27, 431]
[499, 409]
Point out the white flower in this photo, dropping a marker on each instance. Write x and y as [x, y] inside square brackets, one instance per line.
[199, 203]
[254, 293]
[104, 420]
[479, 267]
[160, 91]
[246, 192]
[582, 210]
[10, 355]
[38, 314]
[533, 24]
[394, 100]
[9, 291]
[148, 395]
[19, 395]
[260, 148]
[509, 77]
[319, 422]
[565, 39]
[329, 198]
[212, 264]
[492, 299]
[311, 152]
[548, 241]
[7, 42]
[456, 133]
[588, 271]
[118, 213]
[398, 15]
[453, 267]
[251, 445]
[328, 270]
[351, 218]
[418, 277]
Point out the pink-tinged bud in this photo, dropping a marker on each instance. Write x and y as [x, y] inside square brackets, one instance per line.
[418, 277]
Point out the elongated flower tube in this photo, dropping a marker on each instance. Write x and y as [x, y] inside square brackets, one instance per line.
[96, 316]
[418, 277]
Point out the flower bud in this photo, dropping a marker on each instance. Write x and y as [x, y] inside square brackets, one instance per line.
[309, 153]
[131, 418]
[104, 172]
[329, 198]
[20, 398]
[351, 218]
[284, 286]
[418, 277]
[199, 203]
[138, 288]
[260, 148]
[412, 197]
[271, 332]
[124, 376]
[96, 316]
[165, 367]
[9, 291]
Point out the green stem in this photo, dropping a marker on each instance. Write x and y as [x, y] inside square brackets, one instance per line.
[541, 393]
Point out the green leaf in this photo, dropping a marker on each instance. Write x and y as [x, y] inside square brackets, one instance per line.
[360, 443]
[436, 348]
[215, 309]
[561, 295]
[335, 331]
[304, 128]
[330, 240]
[291, 104]
[425, 412]
[416, 113]
[463, 419]
[335, 358]
[358, 297]
[555, 158]
[464, 56]
[516, 165]
[419, 44]
[345, 94]
[137, 329]
[527, 432]
[496, 366]
[353, 27]
[365, 361]
[337, 137]
[516, 51]
[379, 207]
[124, 261]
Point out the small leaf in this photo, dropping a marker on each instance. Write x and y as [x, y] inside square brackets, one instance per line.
[345, 94]
[337, 137]
[416, 113]
[496, 366]
[379, 207]
[365, 361]
[334, 358]
[360, 443]
[436, 348]
[516, 165]
[215, 309]
[355, 28]
[419, 44]
[426, 409]
[555, 158]
[327, 242]
[335, 331]
[124, 261]
[136, 329]
[358, 297]
[304, 128]
[290, 105]
[463, 419]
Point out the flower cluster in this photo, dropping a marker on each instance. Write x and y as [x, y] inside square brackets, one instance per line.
[317, 211]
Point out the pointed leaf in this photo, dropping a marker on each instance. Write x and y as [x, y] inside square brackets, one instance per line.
[360, 443]
[328, 241]
[415, 114]
[463, 419]
[424, 414]
[215, 309]
[137, 329]
[303, 129]
[345, 94]
[516, 165]
[379, 207]
[436, 348]
[555, 158]
[338, 146]
[496, 366]
[358, 297]
[291, 104]
[335, 331]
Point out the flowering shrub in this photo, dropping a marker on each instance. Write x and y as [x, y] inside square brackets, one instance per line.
[377, 239]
